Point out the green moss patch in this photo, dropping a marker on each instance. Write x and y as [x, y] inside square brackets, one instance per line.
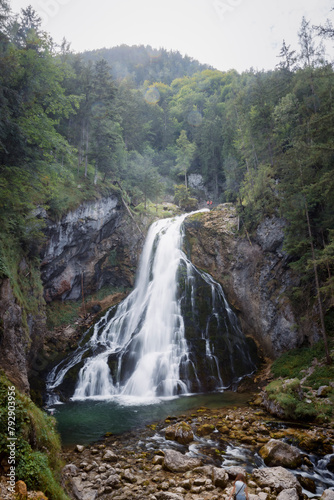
[37, 447]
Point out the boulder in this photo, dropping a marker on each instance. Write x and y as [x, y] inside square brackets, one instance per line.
[307, 483]
[174, 461]
[323, 391]
[81, 491]
[129, 477]
[234, 471]
[327, 495]
[70, 470]
[180, 432]
[276, 453]
[205, 429]
[277, 478]
[158, 460]
[21, 492]
[290, 494]
[219, 477]
[166, 495]
[110, 456]
[113, 481]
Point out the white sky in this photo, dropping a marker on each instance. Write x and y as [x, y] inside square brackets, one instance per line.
[226, 34]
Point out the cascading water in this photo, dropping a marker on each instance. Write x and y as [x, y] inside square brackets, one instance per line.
[174, 334]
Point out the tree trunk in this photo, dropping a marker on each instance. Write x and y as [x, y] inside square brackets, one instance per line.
[86, 152]
[315, 270]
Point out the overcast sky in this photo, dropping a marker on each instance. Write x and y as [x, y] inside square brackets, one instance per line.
[226, 34]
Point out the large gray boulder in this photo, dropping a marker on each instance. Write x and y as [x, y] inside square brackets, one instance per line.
[176, 462]
[219, 477]
[290, 494]
[276, 478]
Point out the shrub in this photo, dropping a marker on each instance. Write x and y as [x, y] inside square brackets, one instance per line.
[37, 452]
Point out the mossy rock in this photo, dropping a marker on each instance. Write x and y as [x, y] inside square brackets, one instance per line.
[277, 453]
[205, 429]
[180, 432]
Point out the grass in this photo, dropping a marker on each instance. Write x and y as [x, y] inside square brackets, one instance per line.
[24, 277]
[298, 399]
[157, 210]
[293, 362]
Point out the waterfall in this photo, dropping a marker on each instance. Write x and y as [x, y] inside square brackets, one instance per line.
[162, 339]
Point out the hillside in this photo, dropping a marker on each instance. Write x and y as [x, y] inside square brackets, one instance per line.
[144, 63]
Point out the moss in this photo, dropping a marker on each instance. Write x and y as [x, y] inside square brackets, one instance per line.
[293, 362]
[112, 259]
[37, 453]
[322, 375]
[300, 402]
[61, 313]
[24, 275]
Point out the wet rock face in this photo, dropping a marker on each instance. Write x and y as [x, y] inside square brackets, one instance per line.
[88, 248]
[14, 340]
[270, 235]
[254, 274]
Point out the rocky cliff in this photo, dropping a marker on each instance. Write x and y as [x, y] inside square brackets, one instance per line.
[254, 274]
[100, 244]
[94, 245]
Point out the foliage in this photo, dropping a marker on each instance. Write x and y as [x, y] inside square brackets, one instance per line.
[296, 398]
[291, 363]
[142, 63]
[65, 313]
[37, 452]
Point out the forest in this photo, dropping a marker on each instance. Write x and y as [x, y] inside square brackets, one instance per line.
[156, 127]
[74, 126]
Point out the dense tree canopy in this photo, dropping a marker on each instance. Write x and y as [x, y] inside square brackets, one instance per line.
[146, 119]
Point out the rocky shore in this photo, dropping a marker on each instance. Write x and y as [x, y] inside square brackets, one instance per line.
[196, 456]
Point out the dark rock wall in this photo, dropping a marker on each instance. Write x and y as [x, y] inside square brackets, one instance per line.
[14, 338]
[93, 246]
[254, 274]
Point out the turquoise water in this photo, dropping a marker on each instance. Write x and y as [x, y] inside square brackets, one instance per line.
[83, 422]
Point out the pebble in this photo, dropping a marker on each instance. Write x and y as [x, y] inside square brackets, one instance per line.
[126, 469]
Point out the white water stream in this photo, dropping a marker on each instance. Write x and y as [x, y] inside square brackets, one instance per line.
[147, 332]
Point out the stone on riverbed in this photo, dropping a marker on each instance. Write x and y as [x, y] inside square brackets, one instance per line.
[164, 495]
[176, 462]
[327, 495]
[276, 453]
[277, 478]
[219, 477]
[110, 456]
[180, 432]
[290, 494]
